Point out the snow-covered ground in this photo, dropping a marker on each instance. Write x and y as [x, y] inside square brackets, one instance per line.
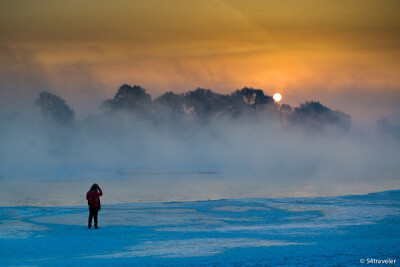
[323, 231]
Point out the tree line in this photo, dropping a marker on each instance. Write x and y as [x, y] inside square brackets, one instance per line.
[201, 105]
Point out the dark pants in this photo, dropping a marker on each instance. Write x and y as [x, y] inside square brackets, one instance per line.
[93, 213]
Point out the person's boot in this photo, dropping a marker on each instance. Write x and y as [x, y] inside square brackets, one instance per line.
[89, 226]
[96, 227]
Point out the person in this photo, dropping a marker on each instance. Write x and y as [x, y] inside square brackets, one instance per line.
[93, 198]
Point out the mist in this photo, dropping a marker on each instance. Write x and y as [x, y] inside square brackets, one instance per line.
[191, 146]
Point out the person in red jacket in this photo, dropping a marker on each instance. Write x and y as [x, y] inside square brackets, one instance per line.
[93, 198]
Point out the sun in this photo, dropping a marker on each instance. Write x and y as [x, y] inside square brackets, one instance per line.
[277, 97]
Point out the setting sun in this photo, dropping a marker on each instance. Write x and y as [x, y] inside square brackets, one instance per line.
[277, 97]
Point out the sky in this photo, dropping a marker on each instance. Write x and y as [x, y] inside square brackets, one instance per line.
[345, 54]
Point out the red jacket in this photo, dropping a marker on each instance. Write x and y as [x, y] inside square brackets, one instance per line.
[93, 198]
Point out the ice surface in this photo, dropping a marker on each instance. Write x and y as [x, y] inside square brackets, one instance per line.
[17, 229]
[322, 231]
[195, 247]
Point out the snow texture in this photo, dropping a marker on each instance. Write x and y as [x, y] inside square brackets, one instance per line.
[325, 231]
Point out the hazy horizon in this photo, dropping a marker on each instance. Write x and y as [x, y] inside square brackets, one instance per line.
[191, 146]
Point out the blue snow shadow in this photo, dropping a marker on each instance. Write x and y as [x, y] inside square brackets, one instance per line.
[285, 231]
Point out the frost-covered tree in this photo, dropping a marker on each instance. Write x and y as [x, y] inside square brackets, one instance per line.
[315, 116]
[252, 97]
[130, 98]
[204, 103]
[54, 107]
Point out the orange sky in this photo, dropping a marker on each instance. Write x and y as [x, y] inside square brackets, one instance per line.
[343, 53]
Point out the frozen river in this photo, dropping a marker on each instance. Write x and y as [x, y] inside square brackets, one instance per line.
[328, 231]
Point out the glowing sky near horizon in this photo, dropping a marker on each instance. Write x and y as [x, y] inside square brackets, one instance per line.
[345, 54]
